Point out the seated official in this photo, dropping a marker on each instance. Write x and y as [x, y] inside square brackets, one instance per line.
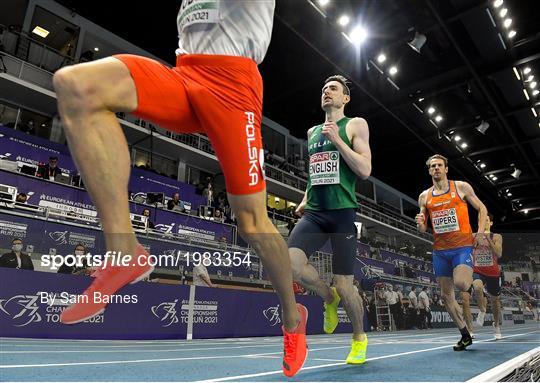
[16, 259]
[51, 170]
[175, 203]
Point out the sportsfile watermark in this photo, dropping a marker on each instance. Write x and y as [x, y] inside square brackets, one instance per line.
[174, 260]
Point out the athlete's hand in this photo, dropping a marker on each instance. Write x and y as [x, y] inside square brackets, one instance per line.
[420, 219]
[300, 209]
[331, 131]
[479, 239]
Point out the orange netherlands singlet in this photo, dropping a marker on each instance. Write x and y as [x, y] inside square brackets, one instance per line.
[449, 219]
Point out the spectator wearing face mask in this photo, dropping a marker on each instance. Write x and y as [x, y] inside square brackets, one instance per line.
[16, 259]
[80, 250]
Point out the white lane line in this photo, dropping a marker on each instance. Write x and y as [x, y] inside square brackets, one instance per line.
[342, 363]
[11, 342]
[500, 371]
[346, 344]
[161, 360]
[157, 360]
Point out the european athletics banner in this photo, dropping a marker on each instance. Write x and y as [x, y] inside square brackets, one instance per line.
[31, 303]
[18, 146]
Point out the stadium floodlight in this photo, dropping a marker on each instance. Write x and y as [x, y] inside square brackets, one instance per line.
[358, 35]
[344, 20]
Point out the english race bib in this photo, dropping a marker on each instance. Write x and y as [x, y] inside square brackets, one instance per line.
[197, 12]
[445, 221]
[324, 168]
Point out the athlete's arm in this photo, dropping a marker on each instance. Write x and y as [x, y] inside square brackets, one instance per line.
[421, 222]
[301, 206]
[359, 156]
[468, 194]
[496, 244]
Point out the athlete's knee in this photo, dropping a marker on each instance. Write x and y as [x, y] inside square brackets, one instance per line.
[462, 285]
[73, 88]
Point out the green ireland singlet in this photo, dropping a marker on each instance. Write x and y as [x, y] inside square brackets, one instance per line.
[331, 183]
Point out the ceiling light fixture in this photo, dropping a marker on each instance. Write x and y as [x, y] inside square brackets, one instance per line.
[344, 20]
[457, 138]
[324, 3]
[527, 70]
[507, 23]
[438, 118]
[516, 173]
[431, 110]
[417, 42]
[498, 3]
[484, 125]
[503, 12]
[41, 32]
[512, 34]
[358, 35]
[393, 70]
[381, 58]
[482, 165]
[464, 145]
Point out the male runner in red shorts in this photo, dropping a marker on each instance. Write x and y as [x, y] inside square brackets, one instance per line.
[215, 88]
[486, 273]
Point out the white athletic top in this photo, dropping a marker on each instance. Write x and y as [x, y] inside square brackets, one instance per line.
[225, 27]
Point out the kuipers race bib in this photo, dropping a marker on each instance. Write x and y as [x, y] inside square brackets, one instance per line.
[483, 256]
[324, 168]
[198, 11]
[445, 221]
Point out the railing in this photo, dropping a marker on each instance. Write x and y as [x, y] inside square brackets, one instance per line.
[25, 47]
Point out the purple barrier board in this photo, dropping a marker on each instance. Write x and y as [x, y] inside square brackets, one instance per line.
[160, 311]
[148, 315]
[18, 146]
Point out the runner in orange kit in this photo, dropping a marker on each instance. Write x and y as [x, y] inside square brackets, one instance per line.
[446, 204]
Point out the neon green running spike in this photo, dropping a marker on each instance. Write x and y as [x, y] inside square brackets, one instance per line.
[330, 313]
[358, 352]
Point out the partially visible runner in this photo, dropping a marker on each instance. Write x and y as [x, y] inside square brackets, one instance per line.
[487, 274]
[339, 152]
[445, 203]
[215, 88]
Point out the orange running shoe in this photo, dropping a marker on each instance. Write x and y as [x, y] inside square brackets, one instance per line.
[108, 280]
[295, 347]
